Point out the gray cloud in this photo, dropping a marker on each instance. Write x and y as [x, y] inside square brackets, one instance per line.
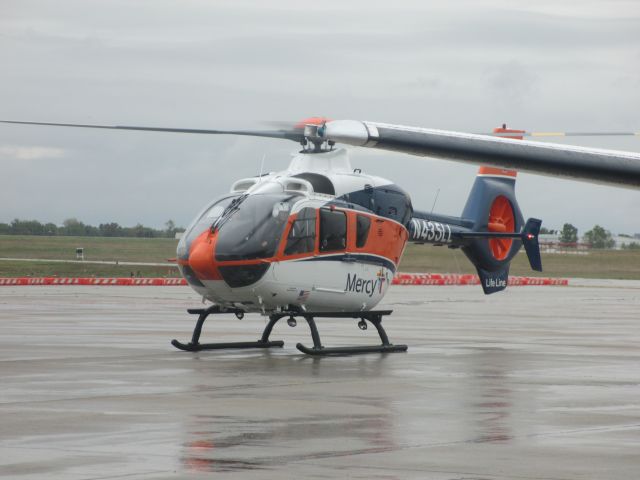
[462, 65]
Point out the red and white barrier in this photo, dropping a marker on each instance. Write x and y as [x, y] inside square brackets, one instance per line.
[468, 279]
[123, 281]
[399, 279]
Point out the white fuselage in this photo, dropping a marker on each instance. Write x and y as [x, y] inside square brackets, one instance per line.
[352, 279]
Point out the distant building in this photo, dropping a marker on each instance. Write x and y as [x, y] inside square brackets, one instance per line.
[549, 238]
[625, 241]
[550, 243]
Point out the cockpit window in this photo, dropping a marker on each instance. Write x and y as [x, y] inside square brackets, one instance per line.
[363, 224]
[254, 228]
[202, 222]
[333, 230]
[302, 236]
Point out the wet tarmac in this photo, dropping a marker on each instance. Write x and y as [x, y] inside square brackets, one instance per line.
[532, 383]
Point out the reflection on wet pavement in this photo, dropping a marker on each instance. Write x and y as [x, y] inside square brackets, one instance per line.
[493, 403]
[93, 390]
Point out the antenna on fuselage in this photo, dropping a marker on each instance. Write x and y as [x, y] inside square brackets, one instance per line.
[435, 200]
[261, 167]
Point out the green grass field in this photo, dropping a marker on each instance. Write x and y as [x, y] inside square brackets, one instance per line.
[619, 264]
[95, 248]
[146, 250]
[418, 258]
[41, 269]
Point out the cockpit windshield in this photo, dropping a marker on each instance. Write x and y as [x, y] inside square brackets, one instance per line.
[255, 227]
[203, 222]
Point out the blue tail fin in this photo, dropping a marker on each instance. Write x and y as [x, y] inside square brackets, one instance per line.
[492, 206]
[490, 231]
[531, 246]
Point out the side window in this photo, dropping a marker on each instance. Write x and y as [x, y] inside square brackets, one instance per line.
[333, 230]
[363, 224]
[302, 236]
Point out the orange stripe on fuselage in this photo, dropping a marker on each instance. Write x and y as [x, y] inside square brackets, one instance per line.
[386, 238]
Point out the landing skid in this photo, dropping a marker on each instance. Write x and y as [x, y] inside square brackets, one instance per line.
[372, 316]
[195, 346]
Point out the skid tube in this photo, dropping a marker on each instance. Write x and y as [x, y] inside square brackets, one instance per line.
[195, 346]
[373, 316]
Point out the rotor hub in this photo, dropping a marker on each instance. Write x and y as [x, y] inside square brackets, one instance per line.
[314, 140]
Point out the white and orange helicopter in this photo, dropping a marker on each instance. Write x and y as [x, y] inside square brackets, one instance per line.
[322, 239]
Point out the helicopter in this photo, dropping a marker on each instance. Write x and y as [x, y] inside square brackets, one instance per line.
[324, 240]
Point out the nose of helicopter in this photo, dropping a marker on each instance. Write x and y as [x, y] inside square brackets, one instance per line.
[204, 266]
[201, 257]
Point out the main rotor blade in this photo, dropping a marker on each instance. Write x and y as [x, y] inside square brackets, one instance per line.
[291, 134]
[590, 164]
[560, 134]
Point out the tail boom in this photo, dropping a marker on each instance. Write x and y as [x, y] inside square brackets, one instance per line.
[490, 231]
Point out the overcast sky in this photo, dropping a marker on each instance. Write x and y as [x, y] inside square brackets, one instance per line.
[459, 65]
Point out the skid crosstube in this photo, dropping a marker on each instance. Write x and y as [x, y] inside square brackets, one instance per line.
[372, 316]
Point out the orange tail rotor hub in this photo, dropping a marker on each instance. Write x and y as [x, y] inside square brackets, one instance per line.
[501, 220]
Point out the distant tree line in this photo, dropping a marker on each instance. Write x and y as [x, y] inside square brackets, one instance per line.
[597, 237]
[73, 227]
